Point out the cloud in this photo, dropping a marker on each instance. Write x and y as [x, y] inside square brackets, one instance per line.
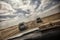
[25, 8]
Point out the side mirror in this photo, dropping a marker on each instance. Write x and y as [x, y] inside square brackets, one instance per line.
[22, 27]
[38, 20]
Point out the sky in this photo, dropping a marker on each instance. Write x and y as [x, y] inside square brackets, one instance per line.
[24, 8]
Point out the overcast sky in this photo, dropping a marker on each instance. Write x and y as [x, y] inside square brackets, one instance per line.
[24, 8]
